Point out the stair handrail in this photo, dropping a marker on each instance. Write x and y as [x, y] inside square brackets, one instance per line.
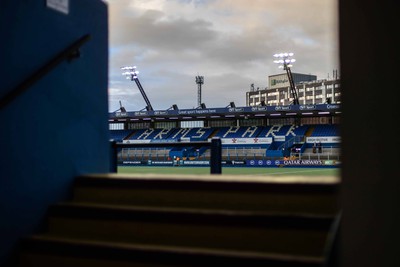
[291, 141]
[71, 52]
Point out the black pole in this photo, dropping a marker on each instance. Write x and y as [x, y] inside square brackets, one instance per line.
[292, 86]
[146, 99]
[216, 156]
[113, 156]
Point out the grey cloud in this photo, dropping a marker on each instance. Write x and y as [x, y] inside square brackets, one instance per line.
[171, 51]
[153, 31]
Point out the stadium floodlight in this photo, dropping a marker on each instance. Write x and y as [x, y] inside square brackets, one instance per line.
[286, 62]
[199, 82]
[132, 74]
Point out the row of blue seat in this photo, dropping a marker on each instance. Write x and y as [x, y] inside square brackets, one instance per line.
[202, 134]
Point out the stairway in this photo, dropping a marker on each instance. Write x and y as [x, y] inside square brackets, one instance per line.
[310, 130]
[157, 221]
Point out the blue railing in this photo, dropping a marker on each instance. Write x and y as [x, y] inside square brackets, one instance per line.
[215, 154]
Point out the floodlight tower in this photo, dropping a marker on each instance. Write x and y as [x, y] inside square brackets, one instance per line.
[132, 74]
[286, 62]
[199, 81]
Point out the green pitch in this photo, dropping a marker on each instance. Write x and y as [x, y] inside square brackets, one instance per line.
[233, 171]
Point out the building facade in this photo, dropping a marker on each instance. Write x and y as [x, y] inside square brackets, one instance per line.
[310, 91]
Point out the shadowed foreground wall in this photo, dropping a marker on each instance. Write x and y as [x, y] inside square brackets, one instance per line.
[370, 144]
[58, 128]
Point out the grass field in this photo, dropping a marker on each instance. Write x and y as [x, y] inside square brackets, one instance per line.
[233, 171]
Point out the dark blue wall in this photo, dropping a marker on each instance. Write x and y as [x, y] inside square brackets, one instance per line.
[58, 128]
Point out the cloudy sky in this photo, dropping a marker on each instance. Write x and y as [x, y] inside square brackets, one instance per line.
[229, 42]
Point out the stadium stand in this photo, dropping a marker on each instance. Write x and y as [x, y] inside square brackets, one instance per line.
[120, 135]
[239, 142]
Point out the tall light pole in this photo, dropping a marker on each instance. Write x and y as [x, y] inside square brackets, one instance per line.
[132, 74]
[285, 61]
[199, 81]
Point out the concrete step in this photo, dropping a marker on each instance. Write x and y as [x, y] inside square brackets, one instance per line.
[62, 252]
[270, 194]
[296, 234]
[211, 220]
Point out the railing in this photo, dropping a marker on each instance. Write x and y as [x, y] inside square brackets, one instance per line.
[214, 145]
[294, 140]
[319, 156]
[328, 153]
[68, 54]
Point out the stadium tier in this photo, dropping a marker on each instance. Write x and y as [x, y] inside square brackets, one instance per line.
[253, 135]
[238, 142]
